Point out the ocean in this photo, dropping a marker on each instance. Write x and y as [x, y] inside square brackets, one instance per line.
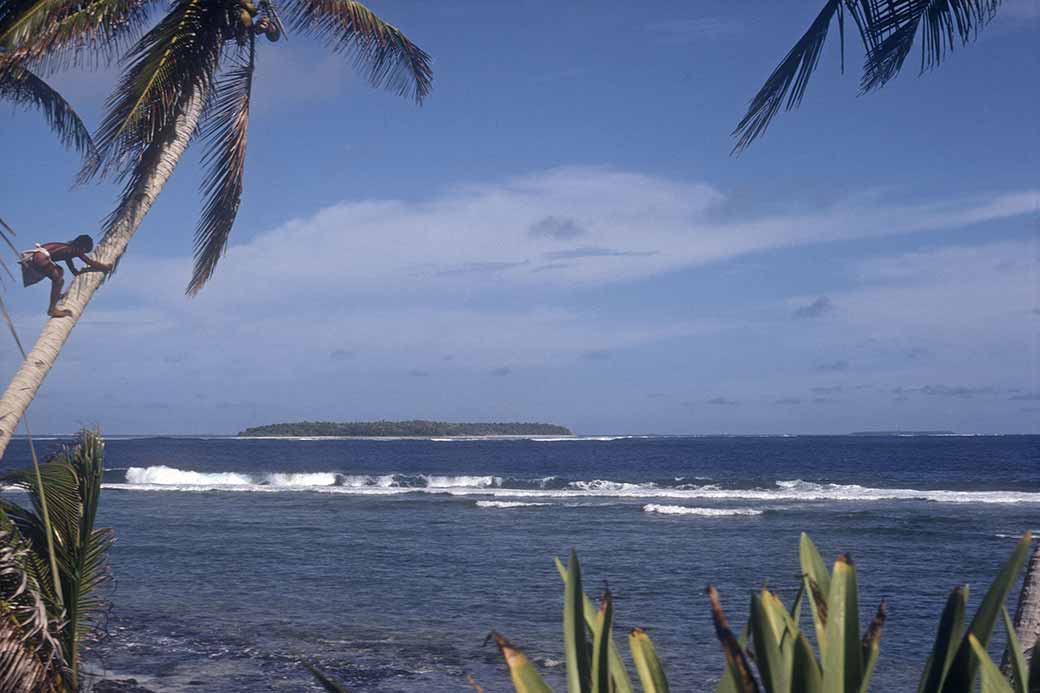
[387, 562]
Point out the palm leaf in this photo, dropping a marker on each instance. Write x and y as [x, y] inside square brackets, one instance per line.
[941, 23]
[790, 78]
[55, 34]
[380, 49]
[70, 486]
[178, 58]
[30, 656]
[21, 86]
[225, 126]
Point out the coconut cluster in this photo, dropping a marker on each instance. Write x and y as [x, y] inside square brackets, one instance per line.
[247, 11]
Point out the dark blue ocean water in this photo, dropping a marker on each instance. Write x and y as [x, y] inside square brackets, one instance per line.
[388, 562]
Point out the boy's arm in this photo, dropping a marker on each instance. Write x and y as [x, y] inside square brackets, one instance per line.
[72, 267]
[95, 265]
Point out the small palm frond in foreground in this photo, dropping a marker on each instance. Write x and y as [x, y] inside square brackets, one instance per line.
[30, 650]
[70, 486]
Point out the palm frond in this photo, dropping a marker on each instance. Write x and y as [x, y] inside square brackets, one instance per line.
[19, 85]
[70, 486]
[30, 655]
[390, 59]
[177, 58]
[6, 234]
[896, 24]
[790, 78]
[225, 128]
[54, 34]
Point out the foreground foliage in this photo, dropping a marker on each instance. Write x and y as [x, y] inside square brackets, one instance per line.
[774, 655]
[50, 579]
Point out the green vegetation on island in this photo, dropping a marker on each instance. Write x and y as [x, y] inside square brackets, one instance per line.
[404, 429]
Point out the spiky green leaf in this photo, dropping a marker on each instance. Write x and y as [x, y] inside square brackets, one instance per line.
[992, 680]
[740, 678]
[1019, 669]
[842, 660]
[574, 641]
[773, 660]
[526, 678]
[618, 672]
[648, 665]
[963, 669]
[947, 640]
[806, 676]
[601, 646]
[816, 584]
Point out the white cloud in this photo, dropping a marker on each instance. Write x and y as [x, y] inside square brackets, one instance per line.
[478, 237]
[340, 306]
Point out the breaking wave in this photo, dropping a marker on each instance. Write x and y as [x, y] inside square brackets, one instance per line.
[705, 512]
[163, 478]
[507, 504]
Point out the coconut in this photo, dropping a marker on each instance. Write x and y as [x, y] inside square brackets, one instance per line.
[272, 32]
[248, 7]
[245, 18]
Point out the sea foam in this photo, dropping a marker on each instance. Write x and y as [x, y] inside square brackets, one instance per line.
[507, 504]
[162, 478]
[705, 512]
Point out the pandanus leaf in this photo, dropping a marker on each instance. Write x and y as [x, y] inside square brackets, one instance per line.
[947, 639]
[651, 673]
[728, 684]
[872, 646]
[773, 661]
[622, 682]
[574, 642]
[526, 678]
[601, 646]
[806, 676]
[1019, 670]
[816, 584]
[963, 669]
[738, 677]
[842, 660]
[992, 680]
[796, 606]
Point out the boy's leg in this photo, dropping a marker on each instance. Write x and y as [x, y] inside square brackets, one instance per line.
[57, 276]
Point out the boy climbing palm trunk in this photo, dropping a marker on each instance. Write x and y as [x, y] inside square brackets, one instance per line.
[40, 263]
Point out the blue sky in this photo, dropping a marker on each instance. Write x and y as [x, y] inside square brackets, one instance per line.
[561, 234]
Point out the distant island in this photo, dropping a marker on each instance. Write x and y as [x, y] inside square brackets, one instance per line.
[902, 433]
[403, 429]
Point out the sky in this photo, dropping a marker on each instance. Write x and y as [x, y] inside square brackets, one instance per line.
[561, 234]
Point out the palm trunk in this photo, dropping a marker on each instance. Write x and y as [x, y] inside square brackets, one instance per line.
[1027, 615]
[41, 358]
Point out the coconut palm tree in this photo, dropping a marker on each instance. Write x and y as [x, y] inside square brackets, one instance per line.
[191, 73]
[888, 30]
